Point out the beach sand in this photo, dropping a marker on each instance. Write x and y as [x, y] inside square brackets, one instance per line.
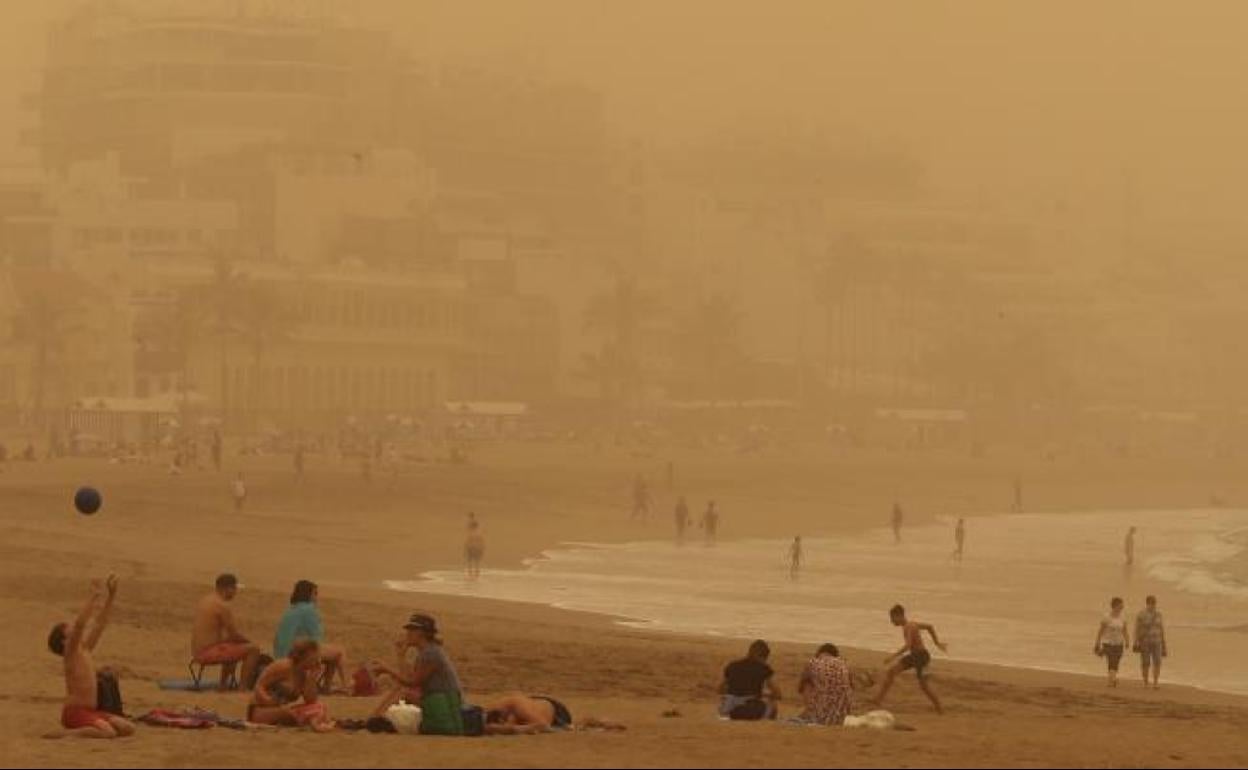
[167, 537]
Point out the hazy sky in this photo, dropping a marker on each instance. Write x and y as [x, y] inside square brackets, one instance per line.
[1029, 98]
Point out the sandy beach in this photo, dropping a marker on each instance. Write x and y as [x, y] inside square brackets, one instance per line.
[167, 537]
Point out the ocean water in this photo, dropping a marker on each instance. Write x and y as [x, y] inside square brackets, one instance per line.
[1030, 590]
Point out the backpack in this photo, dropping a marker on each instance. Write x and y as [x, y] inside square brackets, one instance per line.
[108, 693]
[474, 721]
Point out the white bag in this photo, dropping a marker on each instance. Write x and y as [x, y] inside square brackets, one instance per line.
[880, 720]
[405, 717]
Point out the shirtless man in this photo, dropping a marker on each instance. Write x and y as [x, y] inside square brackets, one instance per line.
[525, 715]
[912, 655]
[215, 637]
[238, 491]
[795, 558]
[293, 678]
[81, 716]
[897, 520]
[959, 539]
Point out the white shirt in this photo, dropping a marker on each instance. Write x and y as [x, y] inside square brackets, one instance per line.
[1115, 631]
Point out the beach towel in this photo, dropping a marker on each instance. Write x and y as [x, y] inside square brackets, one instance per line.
[165, 718]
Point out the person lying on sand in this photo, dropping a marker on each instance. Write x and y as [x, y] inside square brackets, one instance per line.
[528, 715]
[284, 683]
[80, 716]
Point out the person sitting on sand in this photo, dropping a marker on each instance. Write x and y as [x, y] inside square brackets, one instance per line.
[215, 637]
[742, 687]
[526, 715]
[826, 688]
[431, 681]
[302, 620]
[1112, 638]
[912, 655]
[285, 682]
[81, 716]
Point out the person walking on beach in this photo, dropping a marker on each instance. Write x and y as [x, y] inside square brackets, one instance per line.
[1150, 640]
[1112, 639]
[1128, 547]
[641, 499]
[912, 655]
[897, 519]
[959, 539]
[239, 492]
[795, 558]
[682, 519]
[710, 523]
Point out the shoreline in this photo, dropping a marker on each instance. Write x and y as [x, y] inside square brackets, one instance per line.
[168, 537]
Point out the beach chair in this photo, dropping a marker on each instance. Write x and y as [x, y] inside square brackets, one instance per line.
[199, 663]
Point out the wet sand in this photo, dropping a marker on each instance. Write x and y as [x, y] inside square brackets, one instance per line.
[167, 537]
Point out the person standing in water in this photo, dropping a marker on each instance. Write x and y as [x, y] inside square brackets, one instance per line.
[239, 491]
[474, 550]
[1112, 639]
[959, 539]
[641, 499]
[682, 519]
[1128, 547]
[710, 523]
[795, 558]
[897, 518]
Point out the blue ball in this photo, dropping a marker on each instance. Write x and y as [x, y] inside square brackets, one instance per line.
[88, 500]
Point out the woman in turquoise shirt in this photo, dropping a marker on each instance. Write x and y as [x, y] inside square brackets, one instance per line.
[302, 620]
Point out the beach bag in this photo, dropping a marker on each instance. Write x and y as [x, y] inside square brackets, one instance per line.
[108, 693]
[405, 717]
[474, 721]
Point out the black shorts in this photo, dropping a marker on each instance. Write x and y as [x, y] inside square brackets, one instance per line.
[917, 660]
[563, 717]
[1113, 654]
